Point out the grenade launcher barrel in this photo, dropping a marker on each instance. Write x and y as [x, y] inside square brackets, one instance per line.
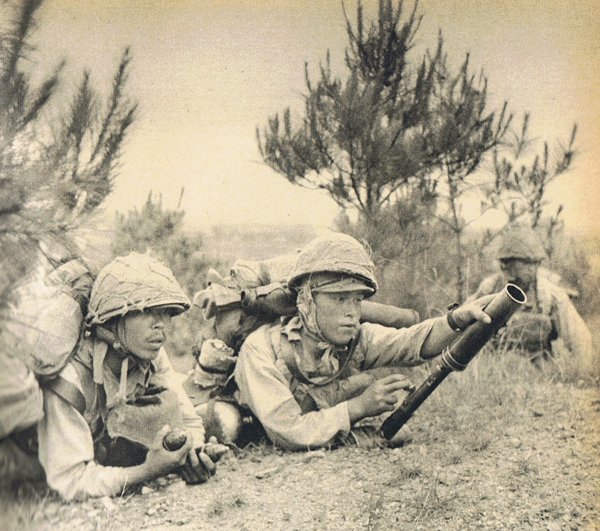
[458, 355]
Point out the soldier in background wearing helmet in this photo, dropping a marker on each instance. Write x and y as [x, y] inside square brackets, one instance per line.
[548, 321]
[103, 427]
[304, 377]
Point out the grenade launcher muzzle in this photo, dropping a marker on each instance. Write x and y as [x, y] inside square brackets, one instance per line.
[458, 355]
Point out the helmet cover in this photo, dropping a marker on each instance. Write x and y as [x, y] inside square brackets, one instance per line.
[520, 243]
[134, 282]
[337, 254]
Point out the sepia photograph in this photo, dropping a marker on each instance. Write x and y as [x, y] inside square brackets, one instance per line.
[299, 265]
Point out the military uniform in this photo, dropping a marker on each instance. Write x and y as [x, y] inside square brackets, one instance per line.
[291, 394]
[99, 421]
[305, 376]
[80, 455]
[548, 316]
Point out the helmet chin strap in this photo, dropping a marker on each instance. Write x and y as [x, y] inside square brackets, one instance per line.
[308, 313]
[121, 341]
[117, 338]
[112, 337]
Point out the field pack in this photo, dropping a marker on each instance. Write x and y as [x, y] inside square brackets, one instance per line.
[44, 328]
[253, 294]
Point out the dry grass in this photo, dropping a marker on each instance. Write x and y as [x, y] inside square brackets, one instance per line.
[443, 476]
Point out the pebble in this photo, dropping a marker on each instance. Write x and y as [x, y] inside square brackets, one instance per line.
[177, 486]
[147, 490]
[180, 521]
[319, 454]
[266, 472]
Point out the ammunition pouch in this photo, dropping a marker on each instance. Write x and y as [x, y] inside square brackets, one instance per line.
[131, 426]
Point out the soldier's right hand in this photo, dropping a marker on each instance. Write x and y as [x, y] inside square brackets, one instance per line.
[161, 461]
[378, 398]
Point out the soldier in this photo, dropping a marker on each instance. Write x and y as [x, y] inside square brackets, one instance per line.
[116, 399]
[548, 320]
[307, 377]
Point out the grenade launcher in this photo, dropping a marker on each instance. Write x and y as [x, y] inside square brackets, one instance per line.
[458, 355]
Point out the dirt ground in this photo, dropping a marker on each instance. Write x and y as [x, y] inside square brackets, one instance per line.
[536, 467]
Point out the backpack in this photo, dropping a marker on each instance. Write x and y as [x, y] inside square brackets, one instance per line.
[44, 329]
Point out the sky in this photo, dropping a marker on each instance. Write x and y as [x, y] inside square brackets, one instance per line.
[207, 73]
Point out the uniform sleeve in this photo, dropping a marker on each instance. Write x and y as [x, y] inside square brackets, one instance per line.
[193, 423]
[384, 346]
[66, 450]
[266, 391]
[573, 330]
[489, 285]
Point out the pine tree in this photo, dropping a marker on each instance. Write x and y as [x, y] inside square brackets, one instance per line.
[390, 130]
[57, 164]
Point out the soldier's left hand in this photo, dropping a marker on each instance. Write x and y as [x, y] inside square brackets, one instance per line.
[214, 449]
[198, 467]
[473, 311]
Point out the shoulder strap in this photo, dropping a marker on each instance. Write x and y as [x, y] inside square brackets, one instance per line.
[67, 391]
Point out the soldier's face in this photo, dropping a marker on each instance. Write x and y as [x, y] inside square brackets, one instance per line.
[146, 332]
[338, 315]
[519, 272]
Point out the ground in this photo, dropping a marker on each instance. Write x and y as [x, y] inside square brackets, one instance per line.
[487, 453]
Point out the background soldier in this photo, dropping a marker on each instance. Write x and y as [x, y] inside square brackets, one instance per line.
[548, 322]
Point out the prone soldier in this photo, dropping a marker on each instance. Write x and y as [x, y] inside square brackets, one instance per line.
[306, 377]
[118, 396]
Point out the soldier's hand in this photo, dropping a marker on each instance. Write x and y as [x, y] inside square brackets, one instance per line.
[198, 467]
[473, 311]
[160, 461]
[201, 462]
[214, 450]
[378, 397]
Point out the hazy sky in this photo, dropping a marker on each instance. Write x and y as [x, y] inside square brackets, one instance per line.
[206, 73]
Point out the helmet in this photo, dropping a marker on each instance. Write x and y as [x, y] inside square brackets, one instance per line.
[521, 243]
[134, 282]
[335, 253]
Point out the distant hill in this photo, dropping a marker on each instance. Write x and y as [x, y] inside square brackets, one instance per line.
[255, 242]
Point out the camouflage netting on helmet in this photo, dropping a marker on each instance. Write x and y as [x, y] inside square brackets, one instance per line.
[334, 253]
[521, 243]
[134, 282]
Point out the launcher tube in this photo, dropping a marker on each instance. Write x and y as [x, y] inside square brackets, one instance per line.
[458, 355]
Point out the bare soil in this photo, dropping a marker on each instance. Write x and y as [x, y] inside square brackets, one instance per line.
[530, 466]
